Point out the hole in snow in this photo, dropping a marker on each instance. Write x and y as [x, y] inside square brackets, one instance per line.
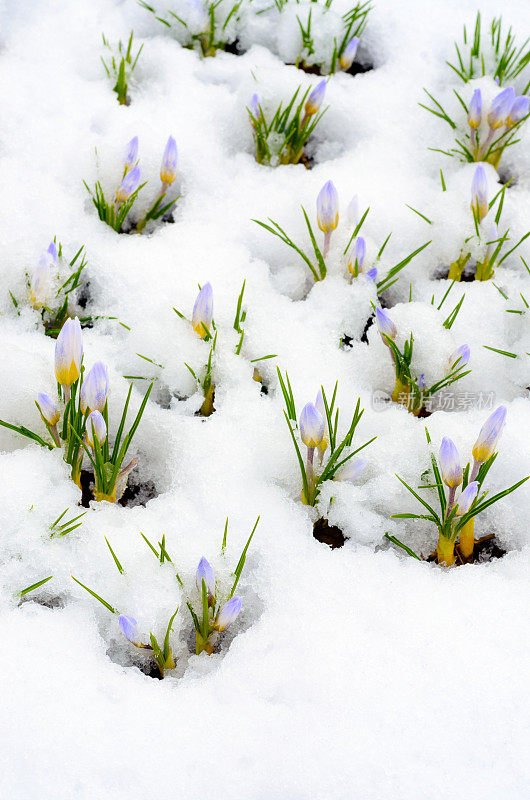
[328, 534]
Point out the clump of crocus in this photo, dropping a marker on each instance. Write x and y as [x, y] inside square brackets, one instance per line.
[460, 492]
[281, 140]
[120, 66]
[410, 389]
[78, 420]
[317, 430]
[118, 213]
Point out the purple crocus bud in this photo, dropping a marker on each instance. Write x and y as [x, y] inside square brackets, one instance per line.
[95, 388]
[500, 108]
[372, 274]
[479, 193]
[128, 627]
[357, 256]
[460, 356]
[228, 613]
[328, 208]
[40, 281]
[52, 250]
[467, 498]
[253, 106]
[168, 169]
[348, 54]
[450, 463]
[129, 184]
[131, 154]
[351, 470]
[474, 114]
[312, 425]
[50, 412]
[202, 315]
[69, 352]
[421, 383]
[519, 110]
[205, 572]
[314, 101]
[489, 435]
[384, 324]
[95, 427]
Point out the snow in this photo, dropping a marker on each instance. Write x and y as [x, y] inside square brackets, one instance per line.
[350, 673]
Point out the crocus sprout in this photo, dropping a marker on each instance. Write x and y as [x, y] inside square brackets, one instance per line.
[327, 212]
[479, 194]
[488, 438]
[351, 471]
[129, 184]
[95, 388]
[96, 430]
[385, 326]
[357, 257]
[128, 627]
[202, 315]
[500, 108]
[205, 573]
[131, 154]
[315, 99]
[168, 169]
[474, 114]
[253, 106]
[228, 614]
[50, 414]
[40, 281]
[518, 111]
[312, 426]
[68, 354]
[120, 66]
[450, 467]
[52, 252]
[348, 54]
[460, 356]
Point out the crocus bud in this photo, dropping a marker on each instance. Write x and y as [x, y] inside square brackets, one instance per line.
[460, 356]
[450, 463]
[131, 154]
[479, 193]
[49, 411]
[314, 101]
[519, 110]
[357, 256]
[52, 251]
[474, 115]
[205, 572]
[500, 108]
[128, 627]
[253, 106]
[69, 352]
[202, 314]
[95, 427]
[129, 184]
[466, 499]
[421, 383]
[384, 324]
[228, 613]
[351, 470]
[312, 426]
[168, 169]
[328, 208]
[348, 54]
[95, 388]
[372, 274]
[352, 212]
[489, 435]
[40, 281]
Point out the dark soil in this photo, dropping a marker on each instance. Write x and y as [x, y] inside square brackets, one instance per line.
[328, 534]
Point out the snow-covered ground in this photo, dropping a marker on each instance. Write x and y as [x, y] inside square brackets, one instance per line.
[350, 673]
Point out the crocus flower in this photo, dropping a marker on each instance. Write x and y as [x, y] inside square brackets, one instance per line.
[460, 356]
[131, 154]
[205, 572]
[202, 314]
[479, 193]
[128, 626]
[52, 251]
[69, 352]
[372, 274]
[450, 465]
[500, 108]
[95, 388]
[95, 427]
[474, 114]
[312, 426]
[489, 435]
[421, 383]
[519, 110]
[357, 256]
[328, 208]
[253, 106]
[348, 54]
[40, 280]
[384, 324]
[351, 470]
[228, 613]
[168, 169]
[48, 408]
[466, 499]
[314, 101]
[129, 184]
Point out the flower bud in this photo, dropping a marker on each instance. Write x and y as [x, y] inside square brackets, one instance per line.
[421, 383]
[128, 627]
[228, 613]
[314, 101]
[372, 274]
[467, 498]
[348, 54]
[129, 184]
[40, 281]
[52, 251]
[479, 193]
[312, 426]
[95, 427]
[519, 110]
[131, 154]
[205, 572]
[357, 256]
[500, 108]
[168, 169]
[95, 388]
[489, 435]
[450, 463]
[48, 409]
[460, 356]
[202, 315]
[384, 324]
[69, 352]
[253, 106]
[328, 208]
[351, 470]
[474, 115]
